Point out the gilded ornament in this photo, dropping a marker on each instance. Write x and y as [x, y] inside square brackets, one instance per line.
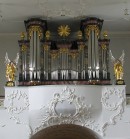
[103, 46]
[79, 34]
[24, 48]
[54, 55]
[105, 34]
[64, 50]
[92, 28]
[22, 35]
[45, 47]
[11, 68]
[81, 47]
[94, 82]
[64, 30]
[36, 29]
[118, 67]
[74, 54]
[48, 35]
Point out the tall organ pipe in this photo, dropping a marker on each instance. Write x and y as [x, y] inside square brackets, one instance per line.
[35, 33]
[92, 27]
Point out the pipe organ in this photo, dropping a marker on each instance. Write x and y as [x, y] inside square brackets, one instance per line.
[83, 60]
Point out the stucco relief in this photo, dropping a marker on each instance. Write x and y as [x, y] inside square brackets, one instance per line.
[18, 103]
[82, 115]
[116, 106]
[13, 108]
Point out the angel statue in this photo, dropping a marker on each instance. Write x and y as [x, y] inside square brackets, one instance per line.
[11, 68]
[118, 68]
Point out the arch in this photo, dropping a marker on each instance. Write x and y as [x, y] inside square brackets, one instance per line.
[66, 131]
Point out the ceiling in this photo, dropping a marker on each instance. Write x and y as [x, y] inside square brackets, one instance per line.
[14, 12]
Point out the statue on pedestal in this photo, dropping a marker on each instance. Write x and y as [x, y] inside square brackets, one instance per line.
[118, 68]
[11, 68]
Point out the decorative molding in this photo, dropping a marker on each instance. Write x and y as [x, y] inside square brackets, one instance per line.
[81, 116]
[117, 107]
[15, 110]
[17, 96]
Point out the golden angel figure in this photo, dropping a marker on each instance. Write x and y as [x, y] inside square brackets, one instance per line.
[118, 67]
[11, 68]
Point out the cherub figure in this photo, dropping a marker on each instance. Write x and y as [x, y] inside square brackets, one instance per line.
[118, 66]
[11, 68]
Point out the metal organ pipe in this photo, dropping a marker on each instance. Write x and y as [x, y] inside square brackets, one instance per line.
[92, 27]
[46, 59]
[97, 68]
[31, 55]
[38, 58]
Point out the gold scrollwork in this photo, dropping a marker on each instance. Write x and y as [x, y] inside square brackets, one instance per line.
[81, 47]
[120, 82]
[94, 82]
[54, 55]
[105, 34]
[103, 46]
[23, 48]
[92, 28]
[45, 47]
[22, 35]
[48, 35]
[74, 54]
[79, 34]
[37, 29]
[64, 50]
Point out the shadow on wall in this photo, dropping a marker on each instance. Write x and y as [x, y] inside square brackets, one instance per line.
[66, 131]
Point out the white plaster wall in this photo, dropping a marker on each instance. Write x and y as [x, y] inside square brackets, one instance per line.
[8, 43]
